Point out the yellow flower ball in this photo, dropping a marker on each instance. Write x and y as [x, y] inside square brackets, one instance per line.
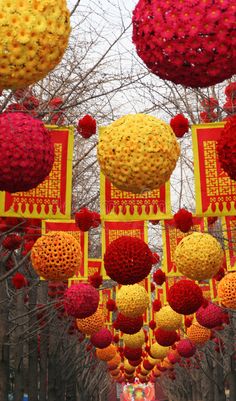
[92, 324]
[128, 367]
[24, 25]
[132, 300]
[56, 256]
[138, 152]
[198, 256]
[106, 354]
[227, 291]
[114, 362]
[168, 319]
[158, 352]
[134, 340]
[153, 361]
[198, 334]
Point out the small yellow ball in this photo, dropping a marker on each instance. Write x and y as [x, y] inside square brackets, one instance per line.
[92, 324]
[128, 367]
[134, 340]
[168, 319]
[158, 352]
[198, 256]
[132, 300]
[106, 354]
[138, 152]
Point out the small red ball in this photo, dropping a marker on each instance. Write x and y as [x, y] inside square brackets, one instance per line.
[185, 297]
[81, 300]
[12, 242]
[102, 338]
[128, 260]
[111, 305]
[211, 316]
[183, 220]
[156, 305]
[226, 148]
[186, 348]
[166, 337]
[180, 125]
[133, 354]
[128, 325]
[159, 277]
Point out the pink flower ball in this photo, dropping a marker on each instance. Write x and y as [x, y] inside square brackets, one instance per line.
[211, 316]
[81, 300]
[102, 338]
[186, 348]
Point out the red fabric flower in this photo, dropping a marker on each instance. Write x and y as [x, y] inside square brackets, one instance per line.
[56, 102]
[188, 321]
[102, 338]
[153, 287]
[29, 149]
[159, 277]
[96, 280]
[147, 365]
[128, 325]
[111, 305]
[166, 337]
[31, 103]
[87, 126]
[15, 107]
[133, 353]
[58, 118]
[211, 220]
[81, 300]
[128, 260]
[116, 338]
[230, 90]
[156, 305]
[209, 104]
[185, 297]
[12, 242]
[183, 220]
[186, 348]
[168, 36]
[86, 219]
[226, 148]
[154, 222]
[210, 316]
[230, 106]
[155, 258]
[152, 324]
[19, 281]
[135, 363]
[180, 125]
[208, 117]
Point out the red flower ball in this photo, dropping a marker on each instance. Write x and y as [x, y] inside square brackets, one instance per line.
[128, 260]
[56, 102]
[211, 316]
[185, 297]
[186, 42]
[186, 348]
[111, 305]
[26, 152]
[12, 242]
[102, 338]
[81, 300]
[147, 365]
[19, 281]
[208, 117]
[155, 258]
[180, 125]
[87, 126]
[85, 219]
[116, 338]
[153, 287]
[209, 104]
[166, 337]
[135, 363]
[156, 305]
[96, 280]
[128, 325]
[159, 277]
[226, 148]
[230, 90]
[183, 220]
[132, 354]
[152, 324]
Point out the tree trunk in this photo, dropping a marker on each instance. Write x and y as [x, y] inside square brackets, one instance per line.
[18, 357]
[33, 348]
[4, 349]
[44, 334]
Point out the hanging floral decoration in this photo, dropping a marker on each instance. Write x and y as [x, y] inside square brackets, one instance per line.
[183, 220]
[185, 297]
[132, 300]
[87, 126]
[81, 300]
[180, 125]
[226, 148]
[86, 219]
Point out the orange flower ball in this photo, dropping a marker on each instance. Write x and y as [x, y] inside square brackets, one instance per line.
[114, 362]
[106, 354]
[91, 324]
[227, 290]
[56, 256]
[198, 334]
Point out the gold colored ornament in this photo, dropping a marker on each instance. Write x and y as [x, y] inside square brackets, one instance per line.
[134, 340]
[227, 290]
[138, 152]
[132, 300]
[167, 319]
[158, 352]
[91, 324]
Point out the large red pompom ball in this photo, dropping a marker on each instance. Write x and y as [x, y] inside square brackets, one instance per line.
[180, 125]
[128, 260]
[186, 348]
[166, 337]
[210, 316]
[185, 297]
[190, 43]
[26, 152]
[133, 354]
[183, 220]
[128, 325]
[226, 148]
[81, 300]
[102, 338]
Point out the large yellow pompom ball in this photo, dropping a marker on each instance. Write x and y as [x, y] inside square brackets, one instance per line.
[168, 319]
[132, 300]
[198, 256]
[56, 256]
[138, 152]
[128, 367]
[134, 340]
[33, 38]
[92, 324]
[227, 291]
[198, 334]
[158, 352]
[106, 354]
